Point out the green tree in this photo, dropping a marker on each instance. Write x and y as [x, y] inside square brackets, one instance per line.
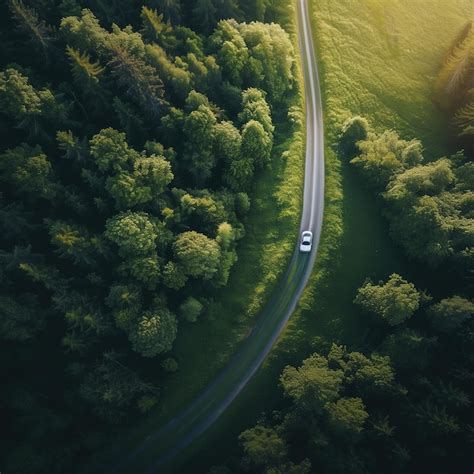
[263, 446]
[20, 319]
[40, 34]
[197, 254]
[228, 142]
[312, 385]
[382, 156]
[174, 276]
[199, 131]
[353, 131]
[133, 232]
[394, 301]
[256, 143]
[190, 309]
[450, 313]
[29, 171]
[28, 106]
[155, 333]
[347, 417]
[111, 151]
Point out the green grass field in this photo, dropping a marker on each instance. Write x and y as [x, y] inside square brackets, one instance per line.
[380, 59]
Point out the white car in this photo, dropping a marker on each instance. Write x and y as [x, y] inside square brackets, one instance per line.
[306, 241]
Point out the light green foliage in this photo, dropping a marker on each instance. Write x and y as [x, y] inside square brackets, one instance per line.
[225, 235]
[111, 151]
[370, 374]
[190, 309]
[84, 32]
[263, 446]
[313, 384]
[199, 131]
[173, 73]
[228, 142]
[197, 254]
[144, 269]
[86, 73]
[255, 54]
[394, 301]
[347, 416]
[155, 333]
[255, 107]
[430, 179]
[256, 143]
[133, 233]
[174, 276]
[153, 173]
[27, 105]
[382, 156]
[203, 210]
[29, 169]
[450, 313]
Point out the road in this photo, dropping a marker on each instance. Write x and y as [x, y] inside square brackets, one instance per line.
[178, 433]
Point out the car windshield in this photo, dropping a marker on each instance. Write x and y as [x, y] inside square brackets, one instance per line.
[305, 243]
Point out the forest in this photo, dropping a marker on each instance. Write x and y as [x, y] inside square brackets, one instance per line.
[131, 137]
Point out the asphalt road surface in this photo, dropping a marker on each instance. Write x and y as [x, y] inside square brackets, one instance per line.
[163, 445]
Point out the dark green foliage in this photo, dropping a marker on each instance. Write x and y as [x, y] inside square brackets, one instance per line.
[124, 162]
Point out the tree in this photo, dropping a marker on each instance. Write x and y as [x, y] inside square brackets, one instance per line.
[190, 309]
[394, 302]
[28, 106]
[199, 131]
[197, 254]
[263, 446]
[353, 131]
[20, 319]
[228, 142]
[155, 333]
[154, 173]
[430, 179]
[111, 387]
[382, 156]
[409, 350]
[450, 313]
[256, 143]
[29, 23]
[204, 13]
[133, 232]
[86, 73]
[29, 171]
[111, 151]
[347, 417]
[174, 276]
[74, 242]
[313, 385]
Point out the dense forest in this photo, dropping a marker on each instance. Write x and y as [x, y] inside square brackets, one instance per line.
[131, 136]
[402, 401]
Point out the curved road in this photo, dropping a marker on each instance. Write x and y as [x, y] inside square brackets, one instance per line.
[178, 433]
